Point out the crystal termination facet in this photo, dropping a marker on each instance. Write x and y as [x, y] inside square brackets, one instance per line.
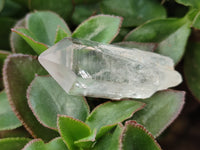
[88, 68]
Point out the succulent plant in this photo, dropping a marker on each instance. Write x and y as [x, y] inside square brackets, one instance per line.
[37, 114]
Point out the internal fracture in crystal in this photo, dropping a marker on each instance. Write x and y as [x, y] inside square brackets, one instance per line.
[88, 68]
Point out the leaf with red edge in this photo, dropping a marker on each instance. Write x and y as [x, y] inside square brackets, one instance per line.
[38, 29]
[136, 137]
[42, 96]
[47, 22]
[99, 28]
[31, 39]
[160, 111]
[105, 116]
[19, 70]
[72, 130]
[38, 144]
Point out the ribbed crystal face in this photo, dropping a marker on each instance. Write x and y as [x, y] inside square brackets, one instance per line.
[87, 68]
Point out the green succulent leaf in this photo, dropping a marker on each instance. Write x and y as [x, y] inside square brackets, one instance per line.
[160, 110]
[142, 46]
[64, 7]
[107, 115]
[6, 24]
[18, 44]
[42, 96]
[136, 137]
[19, 70]
[191, 68]
[60, 34]
[31, 39]
[44, 25]
[110, 141]
[38, 144]
[100, 28]
[170, 34]
[193, 3]
[72, 130]
[134, 12]
[2, 2]
[13, 143]
[8, 120]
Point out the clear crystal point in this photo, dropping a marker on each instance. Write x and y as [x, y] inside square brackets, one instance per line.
[83, 67]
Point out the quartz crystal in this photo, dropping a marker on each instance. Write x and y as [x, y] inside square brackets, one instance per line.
[88, 68]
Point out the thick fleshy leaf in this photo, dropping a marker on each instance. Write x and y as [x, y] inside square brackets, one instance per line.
[137, 137]
[191, 68]
[18, 44]
[31, 39]
[13, 143]
[2, 4]
[60, 34]
[6, 24]
[110, 141]
[134, 12]
[37, 144]
[160, 110]
[8, 120]
[19, 70]
[142, 46]
[100, 28]
[110, 113]
[44, 25]
[171, 34]
[42, 96]
[193, 3]
[72, 130]
[63, 7]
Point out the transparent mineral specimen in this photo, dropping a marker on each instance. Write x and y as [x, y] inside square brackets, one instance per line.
[83, 67]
